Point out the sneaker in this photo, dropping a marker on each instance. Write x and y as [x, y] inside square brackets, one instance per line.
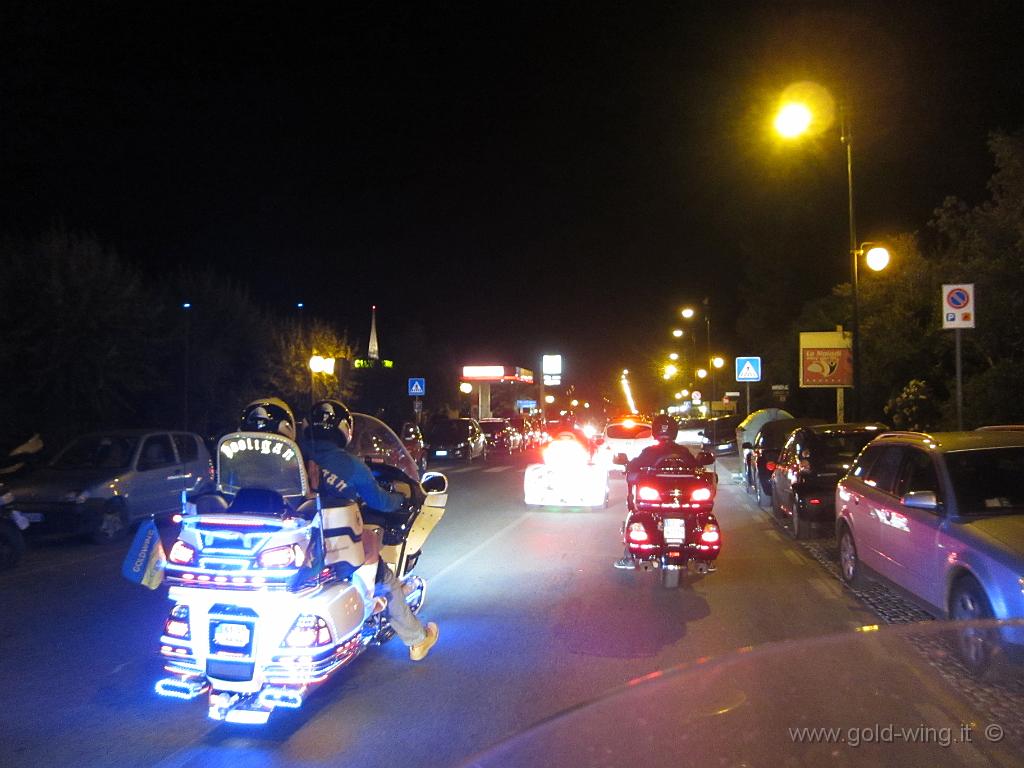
[625, 564]
[419, 651]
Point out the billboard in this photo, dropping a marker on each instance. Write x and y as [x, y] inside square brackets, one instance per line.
[826, 359]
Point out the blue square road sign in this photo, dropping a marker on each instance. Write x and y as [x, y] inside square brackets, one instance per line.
[417, 387]
[748, 369]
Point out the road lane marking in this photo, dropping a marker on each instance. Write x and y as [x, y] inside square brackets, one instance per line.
[486, 543]
[459, 469]
[498, 469]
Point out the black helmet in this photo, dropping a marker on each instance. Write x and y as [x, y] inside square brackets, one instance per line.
[268, 414]
[664, 427]
[331, 420]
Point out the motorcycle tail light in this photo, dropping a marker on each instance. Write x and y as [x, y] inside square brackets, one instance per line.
[770, 466]
[177, 624]
[181, 553]
[648, 493]
[814, 501]
[710, 534]
[282, 557]
[700, 494]
[637, 532]
[308, 632]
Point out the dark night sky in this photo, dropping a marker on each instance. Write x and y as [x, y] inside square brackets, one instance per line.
[517, 178]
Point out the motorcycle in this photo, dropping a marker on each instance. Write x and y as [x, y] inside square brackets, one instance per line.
[271, 595]
[669, 522]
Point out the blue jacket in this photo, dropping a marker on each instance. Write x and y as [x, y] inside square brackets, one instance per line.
[347, 478]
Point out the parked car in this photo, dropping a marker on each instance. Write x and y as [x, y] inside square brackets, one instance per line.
[456, 439]
[102, 483]
[746, 432]
[412, 438]
[764, 452]
[501, 436]
[942, 517]
[719, 435]
[810, 464]
[691, 433]
[522, 425]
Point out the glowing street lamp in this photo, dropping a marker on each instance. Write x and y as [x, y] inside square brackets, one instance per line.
[670, 371]
[466, 388]
[718, 362]
[677, 332]
[673, 356]
[549, 399]
[702, 373]
[318, 364]
[687, 313]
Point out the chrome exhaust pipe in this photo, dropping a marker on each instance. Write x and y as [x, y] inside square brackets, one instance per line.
[176, 688]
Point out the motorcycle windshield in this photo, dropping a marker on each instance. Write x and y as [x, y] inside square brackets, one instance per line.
[373, 441]
[260, 460]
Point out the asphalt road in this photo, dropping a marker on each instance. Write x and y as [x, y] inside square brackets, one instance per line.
[533, 620]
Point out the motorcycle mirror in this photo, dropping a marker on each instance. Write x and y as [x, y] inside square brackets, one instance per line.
[704, 458]
[434, 482]
[620, 458]
[746, 446]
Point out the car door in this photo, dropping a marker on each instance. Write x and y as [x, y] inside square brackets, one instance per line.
[157, 484]
[870, 487]
[786, 474]
[909, 533]
[192, 461]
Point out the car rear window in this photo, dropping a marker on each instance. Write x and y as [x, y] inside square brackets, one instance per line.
[623, 432]
[989, 481]
[492, 427]
[838, 448]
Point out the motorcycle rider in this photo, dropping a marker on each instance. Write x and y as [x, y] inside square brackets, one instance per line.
[664, 429]
[268, 414]
[346, 477]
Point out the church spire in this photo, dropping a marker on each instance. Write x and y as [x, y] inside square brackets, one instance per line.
[373, 352]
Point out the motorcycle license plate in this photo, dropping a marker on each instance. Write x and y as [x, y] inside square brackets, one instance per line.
[231, 635]
[675, 528]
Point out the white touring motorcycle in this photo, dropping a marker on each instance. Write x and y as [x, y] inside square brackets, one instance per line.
[271, 595]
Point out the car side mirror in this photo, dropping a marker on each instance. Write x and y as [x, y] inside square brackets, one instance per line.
[920, 500]
[704, 458]
[620, 458]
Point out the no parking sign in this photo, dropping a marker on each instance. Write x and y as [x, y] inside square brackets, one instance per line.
[958, 305]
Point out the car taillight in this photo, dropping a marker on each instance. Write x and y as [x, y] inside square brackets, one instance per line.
[181, 553]
[308, 632]
[700, 494]
[814, 501]
[647, 493]
[710, 534]
[637, 532]
[770, 466]
[282, 557]
[177, 624]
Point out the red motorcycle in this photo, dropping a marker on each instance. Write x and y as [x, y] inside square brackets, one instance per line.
[670, 520]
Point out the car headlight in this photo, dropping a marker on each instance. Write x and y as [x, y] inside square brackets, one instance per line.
[76, 497]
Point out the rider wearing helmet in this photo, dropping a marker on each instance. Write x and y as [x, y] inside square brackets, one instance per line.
[268, 414]
[664, 429]
[346, 477]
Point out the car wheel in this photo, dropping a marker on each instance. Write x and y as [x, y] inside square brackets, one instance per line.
[12, 545]
[849, 564]
[111, 524]
[976, 645]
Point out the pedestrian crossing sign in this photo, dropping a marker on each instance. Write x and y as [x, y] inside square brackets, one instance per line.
[748, 369]
[417, 387]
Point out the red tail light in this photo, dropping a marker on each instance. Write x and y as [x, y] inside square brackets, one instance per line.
[637, 532]
[770, 466]
[701, 494]
[814, 501]
[710, 534]
[647, 493]
[181, 553]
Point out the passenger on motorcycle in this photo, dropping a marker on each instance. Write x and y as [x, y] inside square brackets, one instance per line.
[345, 477]
[268, 414]
[664, 429]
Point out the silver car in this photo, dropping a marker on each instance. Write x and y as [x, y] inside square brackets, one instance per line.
[941, 516]
[103, 482]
